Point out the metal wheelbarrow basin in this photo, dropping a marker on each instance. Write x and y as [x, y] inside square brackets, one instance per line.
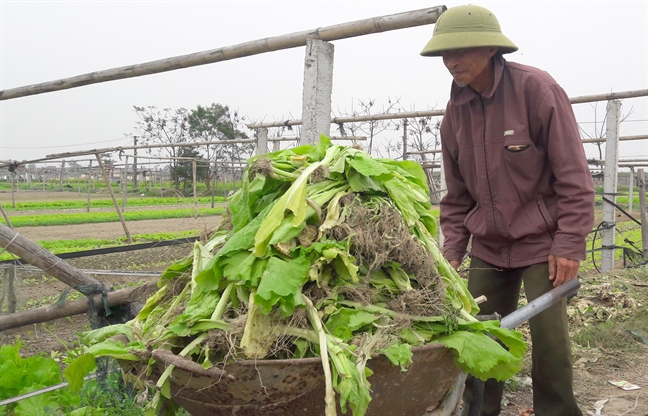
[296, 386]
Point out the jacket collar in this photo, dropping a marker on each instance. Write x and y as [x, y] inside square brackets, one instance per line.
[461, 96]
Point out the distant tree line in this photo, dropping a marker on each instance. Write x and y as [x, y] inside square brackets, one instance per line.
[213, 123]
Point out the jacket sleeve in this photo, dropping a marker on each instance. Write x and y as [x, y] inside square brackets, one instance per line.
[573, 181]
[457, 201]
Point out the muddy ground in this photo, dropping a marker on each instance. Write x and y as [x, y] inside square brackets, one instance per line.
[593, 370]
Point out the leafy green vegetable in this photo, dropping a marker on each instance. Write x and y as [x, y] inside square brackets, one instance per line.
[329, 253]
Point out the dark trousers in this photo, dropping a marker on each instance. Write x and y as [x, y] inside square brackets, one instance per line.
[551, 351]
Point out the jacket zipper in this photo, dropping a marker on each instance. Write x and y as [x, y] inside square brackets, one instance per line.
[490, 190]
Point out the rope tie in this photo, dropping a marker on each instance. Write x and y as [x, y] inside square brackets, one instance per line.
[90, 291]
[9, 243]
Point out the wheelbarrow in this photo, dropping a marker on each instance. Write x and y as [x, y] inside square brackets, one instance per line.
[296, 386]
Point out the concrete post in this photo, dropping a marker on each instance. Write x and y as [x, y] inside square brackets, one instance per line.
[644, 214]
[610, 181]
[262, 141]
[318, 87]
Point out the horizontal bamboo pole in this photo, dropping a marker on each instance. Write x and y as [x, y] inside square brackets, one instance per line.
[609, 96]
[438, 113]
[52, 265]
[354, 119]
[622, 138]
[75, 307]
[292, 40]
[149, 146]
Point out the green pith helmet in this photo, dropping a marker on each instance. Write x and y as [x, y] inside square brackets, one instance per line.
[467, 27]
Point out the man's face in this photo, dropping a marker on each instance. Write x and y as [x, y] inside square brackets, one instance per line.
[470, 66]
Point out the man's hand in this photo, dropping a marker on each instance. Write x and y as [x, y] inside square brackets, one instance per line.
[562, 270]
[455, 264]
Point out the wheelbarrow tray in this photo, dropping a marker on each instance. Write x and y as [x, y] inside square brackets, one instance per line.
[297, 386]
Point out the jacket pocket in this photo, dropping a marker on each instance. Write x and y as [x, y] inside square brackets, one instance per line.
[546, 216]
[522, 161]
[473, 223]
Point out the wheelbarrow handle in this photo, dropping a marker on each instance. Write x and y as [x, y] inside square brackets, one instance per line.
[169, 358]
[514, 319]
[530, 310]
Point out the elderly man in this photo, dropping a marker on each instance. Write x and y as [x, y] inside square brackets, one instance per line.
[518, 184]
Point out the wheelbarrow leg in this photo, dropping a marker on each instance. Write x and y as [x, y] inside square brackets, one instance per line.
[450, 404]
[477, 397]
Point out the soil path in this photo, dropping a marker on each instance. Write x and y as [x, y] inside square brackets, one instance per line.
[112, 230]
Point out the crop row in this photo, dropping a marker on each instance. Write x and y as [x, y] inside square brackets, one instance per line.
[96, 217]
[101, 203]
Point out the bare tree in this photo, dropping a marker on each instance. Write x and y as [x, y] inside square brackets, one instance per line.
[164, 126]
[370, 128]
[424, 136]
[599, 127]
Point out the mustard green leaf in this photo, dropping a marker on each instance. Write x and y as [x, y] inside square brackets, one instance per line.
[281, 283]
[78, 369]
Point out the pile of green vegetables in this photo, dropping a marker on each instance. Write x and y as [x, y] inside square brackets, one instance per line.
[327, 252]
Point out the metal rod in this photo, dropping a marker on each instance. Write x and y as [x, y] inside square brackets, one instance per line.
[533, 308]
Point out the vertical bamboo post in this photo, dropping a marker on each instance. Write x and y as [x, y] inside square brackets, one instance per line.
[195, 190]
[124, 183]
[129, 240]
[3, 290]
[9, 288]
[631, 190]
[405, 139]
[12, 299]
[318, 87]
[89, 177]
[161, 194]
[61, 175]
[6, 217]
[213, 188]
[13, 190]
[644, 215]
[611, 173]
[135, 184]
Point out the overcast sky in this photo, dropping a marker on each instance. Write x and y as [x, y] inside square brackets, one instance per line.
[588, 47]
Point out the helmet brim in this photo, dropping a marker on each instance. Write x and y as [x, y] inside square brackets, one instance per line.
[441, 42]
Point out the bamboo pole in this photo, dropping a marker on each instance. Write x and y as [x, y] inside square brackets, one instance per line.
[148, 146]
[129, 240]
[642, 208]
[13, 190]
[52, 265]
[439, 113]
[609, 96]
[195, 195]
[631, 190]
[89, 177]
[10, 280]
[75, 307]
[328, 33]
[6, 217]
[124, 184]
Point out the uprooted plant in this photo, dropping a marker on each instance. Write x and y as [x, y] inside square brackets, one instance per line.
[327, 252]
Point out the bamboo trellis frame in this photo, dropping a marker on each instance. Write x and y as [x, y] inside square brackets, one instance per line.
[292, 40]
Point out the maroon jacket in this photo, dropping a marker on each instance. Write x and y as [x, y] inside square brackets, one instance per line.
[516, 171]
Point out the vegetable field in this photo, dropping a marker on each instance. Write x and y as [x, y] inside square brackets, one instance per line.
[608, 316]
